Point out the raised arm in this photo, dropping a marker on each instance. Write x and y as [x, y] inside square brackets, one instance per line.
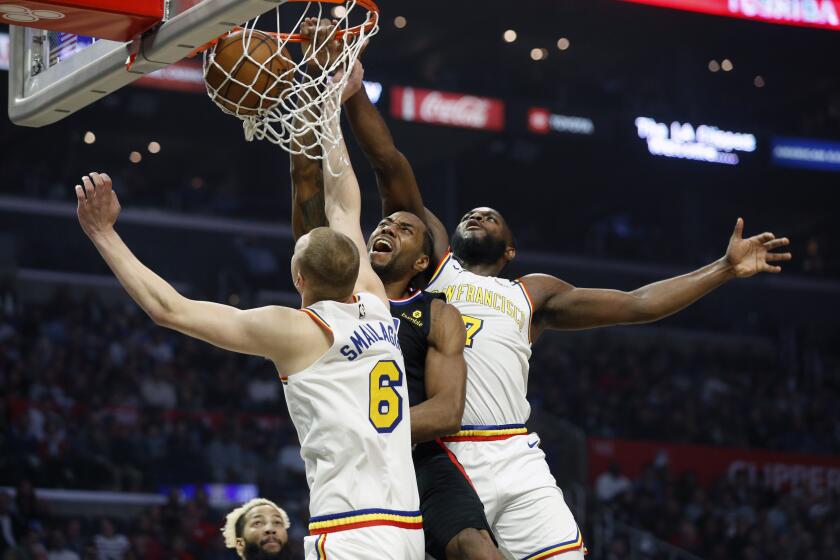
[559, 305]
[343, 204]
[446, 377]
[395, 179]
[272, 332]
[306, 170]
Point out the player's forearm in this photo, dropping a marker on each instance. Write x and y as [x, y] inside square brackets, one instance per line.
[434, 418]
[663, 298]
[395, 179]
[151, 292]
[307, 195]
[370, 130]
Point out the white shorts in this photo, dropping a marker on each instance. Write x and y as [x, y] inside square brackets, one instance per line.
[380, 542]
[522, 502]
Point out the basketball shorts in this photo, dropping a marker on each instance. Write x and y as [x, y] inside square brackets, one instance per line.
[380, 542]
[525, 508]
[447, 499]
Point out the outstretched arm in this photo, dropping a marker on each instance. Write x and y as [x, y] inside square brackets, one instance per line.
[446, 377]
[270, 332]
[343, 205]
[559, 305]
[394, 176]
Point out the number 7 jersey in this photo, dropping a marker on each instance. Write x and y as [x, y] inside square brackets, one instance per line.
[497, 316]
[351, 412]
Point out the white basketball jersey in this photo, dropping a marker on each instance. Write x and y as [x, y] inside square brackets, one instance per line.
[350, 410]
[497, 315]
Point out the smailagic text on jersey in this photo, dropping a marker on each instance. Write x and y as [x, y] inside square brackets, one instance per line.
[369, 334]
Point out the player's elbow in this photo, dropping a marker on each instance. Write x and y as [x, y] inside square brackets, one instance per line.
[452, 421]
[387, 160]
[641, 309]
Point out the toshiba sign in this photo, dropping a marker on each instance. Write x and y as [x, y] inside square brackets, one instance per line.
[807, 13]
[448, 109]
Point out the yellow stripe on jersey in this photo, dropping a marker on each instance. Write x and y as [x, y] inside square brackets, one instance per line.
[365, 518]
[486, 433]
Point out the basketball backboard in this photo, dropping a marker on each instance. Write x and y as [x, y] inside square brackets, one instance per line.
[48, 82]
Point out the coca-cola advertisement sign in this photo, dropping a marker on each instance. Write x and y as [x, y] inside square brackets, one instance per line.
[448, 109]
[781, 471]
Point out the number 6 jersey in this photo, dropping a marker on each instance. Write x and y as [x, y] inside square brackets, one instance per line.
[351, 412]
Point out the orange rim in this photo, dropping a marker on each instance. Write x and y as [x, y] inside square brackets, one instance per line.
[369, 5]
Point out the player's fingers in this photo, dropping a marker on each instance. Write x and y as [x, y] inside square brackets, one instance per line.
[739, 228]
[98, 181]
[773, 269]
[80, 193]
[776, 243]
[106, 181]
[89, 189]
[765, 237]
[776, 257]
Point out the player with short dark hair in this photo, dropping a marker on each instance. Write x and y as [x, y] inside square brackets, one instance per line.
[257, 530]
[529, 516]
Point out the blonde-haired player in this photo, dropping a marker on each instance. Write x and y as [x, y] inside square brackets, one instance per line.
[338, 357]
[257, 530]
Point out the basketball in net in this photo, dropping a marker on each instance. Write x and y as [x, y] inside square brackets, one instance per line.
[248, 73]
[291, 101]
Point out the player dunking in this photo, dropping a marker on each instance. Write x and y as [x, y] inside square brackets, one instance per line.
[339, 359]
[522, 502]
[431, 337]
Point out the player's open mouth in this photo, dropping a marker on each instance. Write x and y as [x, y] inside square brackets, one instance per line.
[382, 245]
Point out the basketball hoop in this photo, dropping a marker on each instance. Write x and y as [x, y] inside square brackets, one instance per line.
[282, 100]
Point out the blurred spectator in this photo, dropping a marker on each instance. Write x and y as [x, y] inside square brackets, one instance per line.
[57, 548]
[110, 545]
[10, 524]
[611, 484]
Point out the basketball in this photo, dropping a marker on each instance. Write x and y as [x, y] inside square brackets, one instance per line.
[243, 75]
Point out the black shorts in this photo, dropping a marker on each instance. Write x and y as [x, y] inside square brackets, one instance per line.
[447, 498]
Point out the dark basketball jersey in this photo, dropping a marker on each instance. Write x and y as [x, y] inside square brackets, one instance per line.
[415, 315]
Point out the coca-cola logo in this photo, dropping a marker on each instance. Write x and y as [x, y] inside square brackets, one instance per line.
[463, 111]
[452, 109]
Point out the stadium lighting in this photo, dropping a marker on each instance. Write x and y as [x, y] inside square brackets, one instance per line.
[538, 54]
[726, 65]
[135, 157]
[400, 22]
[714, 66]
[154, 147]
[89, 137]
[339, 11]
[509, 36]
[563, 43]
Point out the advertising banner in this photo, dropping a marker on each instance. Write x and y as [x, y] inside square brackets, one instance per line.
[448, 109]
[816, 474]
[805, 13]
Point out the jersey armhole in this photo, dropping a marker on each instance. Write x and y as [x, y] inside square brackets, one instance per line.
[318, 320]
[530, 303]
[441, 265]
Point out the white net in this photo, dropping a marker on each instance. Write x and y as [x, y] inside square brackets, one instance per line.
[252, 75]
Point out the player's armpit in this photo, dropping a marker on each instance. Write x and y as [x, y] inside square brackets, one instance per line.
[445, 377]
